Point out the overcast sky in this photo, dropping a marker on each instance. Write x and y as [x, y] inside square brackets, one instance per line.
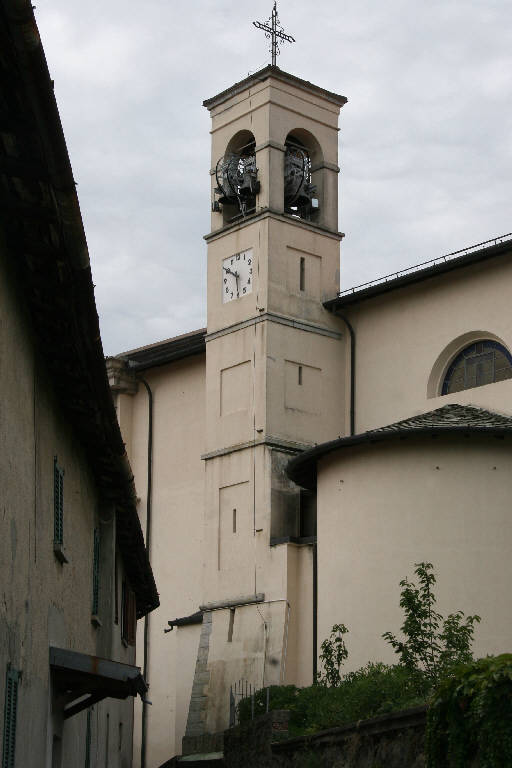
[425, 141]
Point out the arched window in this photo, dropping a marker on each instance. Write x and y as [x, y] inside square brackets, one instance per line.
[302, 161]
[481, 363]
[237, 178]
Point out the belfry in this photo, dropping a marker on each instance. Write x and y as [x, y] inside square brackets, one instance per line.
[273, 360]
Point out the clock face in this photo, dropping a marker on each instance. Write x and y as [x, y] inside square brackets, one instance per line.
[237, 276]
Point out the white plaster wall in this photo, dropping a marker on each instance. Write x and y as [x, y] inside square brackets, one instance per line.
[401, 335]
[177, 520]
[382, 508]
[299, 656]
[44, 602]
[255, 654]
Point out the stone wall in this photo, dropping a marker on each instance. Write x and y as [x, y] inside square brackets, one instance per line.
[388, 741]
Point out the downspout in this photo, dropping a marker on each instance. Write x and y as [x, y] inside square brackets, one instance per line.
[143, 741]
[315, 614]
[352, 373]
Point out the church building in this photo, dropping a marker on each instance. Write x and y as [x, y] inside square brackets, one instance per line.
[295, 458]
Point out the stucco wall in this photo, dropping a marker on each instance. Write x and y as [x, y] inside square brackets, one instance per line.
[384, 507]
[177, 517]
[45, 602]
[406, 339]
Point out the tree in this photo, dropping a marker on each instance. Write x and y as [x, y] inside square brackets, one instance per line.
[432, 645]
[334, 653]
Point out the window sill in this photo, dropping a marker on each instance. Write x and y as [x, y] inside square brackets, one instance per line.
[96, 621]
[59, 552]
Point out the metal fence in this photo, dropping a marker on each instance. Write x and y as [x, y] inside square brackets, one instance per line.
[245, 690]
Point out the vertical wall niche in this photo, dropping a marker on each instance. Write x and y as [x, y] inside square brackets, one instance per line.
[302, 387]
[236, 178]
[235, 526]
[303, 273]
[303, 181]
[293, 509]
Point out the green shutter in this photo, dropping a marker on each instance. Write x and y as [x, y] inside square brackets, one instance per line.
[11, 704]
[96, 572]
[58, 503]
[88, 740]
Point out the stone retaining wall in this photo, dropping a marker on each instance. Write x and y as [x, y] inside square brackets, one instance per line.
[389, 741]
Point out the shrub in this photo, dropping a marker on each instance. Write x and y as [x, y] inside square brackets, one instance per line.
[470, 713]
[334, 653]
[432, 645]
[373, 690]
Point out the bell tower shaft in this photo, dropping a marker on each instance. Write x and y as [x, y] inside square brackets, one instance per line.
[274, 378]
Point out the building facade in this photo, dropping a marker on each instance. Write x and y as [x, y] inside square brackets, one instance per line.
[242, 421]
[74, 570]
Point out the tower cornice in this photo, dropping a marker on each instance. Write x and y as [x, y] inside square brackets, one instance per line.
[277, 74]
[269, 213]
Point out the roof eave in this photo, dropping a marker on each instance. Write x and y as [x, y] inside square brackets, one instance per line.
[358, 296]
[279, 74]
[302, 469]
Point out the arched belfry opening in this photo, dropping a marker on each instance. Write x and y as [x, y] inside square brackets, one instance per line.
[302, 187]
[236, 176]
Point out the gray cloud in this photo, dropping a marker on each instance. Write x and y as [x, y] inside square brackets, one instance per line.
[425, 141]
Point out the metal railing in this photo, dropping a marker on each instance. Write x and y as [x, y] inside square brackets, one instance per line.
[245, 690]
[424, 265]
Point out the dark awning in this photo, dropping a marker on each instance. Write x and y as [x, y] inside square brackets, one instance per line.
[85, 679]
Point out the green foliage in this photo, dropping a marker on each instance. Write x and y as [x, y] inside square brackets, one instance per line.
[334, 653]
[432, 645]
[471, 713]
[373, 690]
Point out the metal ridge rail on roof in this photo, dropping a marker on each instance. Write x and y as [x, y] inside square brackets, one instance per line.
[423, 264]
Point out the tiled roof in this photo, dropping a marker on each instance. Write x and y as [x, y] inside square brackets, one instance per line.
[453, 418]
[447, 417]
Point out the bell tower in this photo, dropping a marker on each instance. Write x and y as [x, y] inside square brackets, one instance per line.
[275, 373]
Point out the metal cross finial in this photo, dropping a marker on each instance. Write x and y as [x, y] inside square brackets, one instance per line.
[273, 30]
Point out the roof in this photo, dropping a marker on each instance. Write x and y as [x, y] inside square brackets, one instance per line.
[185, 621]
[44, 241]
[278, 74]
[167, 351]
[451, 419]
[86, 679]
[429, 269]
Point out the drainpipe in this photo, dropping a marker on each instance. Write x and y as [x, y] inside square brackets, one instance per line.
[352, 373]
[315, 614]
[143, 741]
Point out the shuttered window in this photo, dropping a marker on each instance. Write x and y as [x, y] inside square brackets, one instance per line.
[58, 503]
[11, 704]
[96, 572]
[129, 615]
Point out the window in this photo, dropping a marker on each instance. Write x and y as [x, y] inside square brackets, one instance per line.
[58, 512]
[128, 615]
[10, 710]
[484, 362]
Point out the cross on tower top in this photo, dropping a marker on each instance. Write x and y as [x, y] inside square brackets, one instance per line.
[273, 30]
